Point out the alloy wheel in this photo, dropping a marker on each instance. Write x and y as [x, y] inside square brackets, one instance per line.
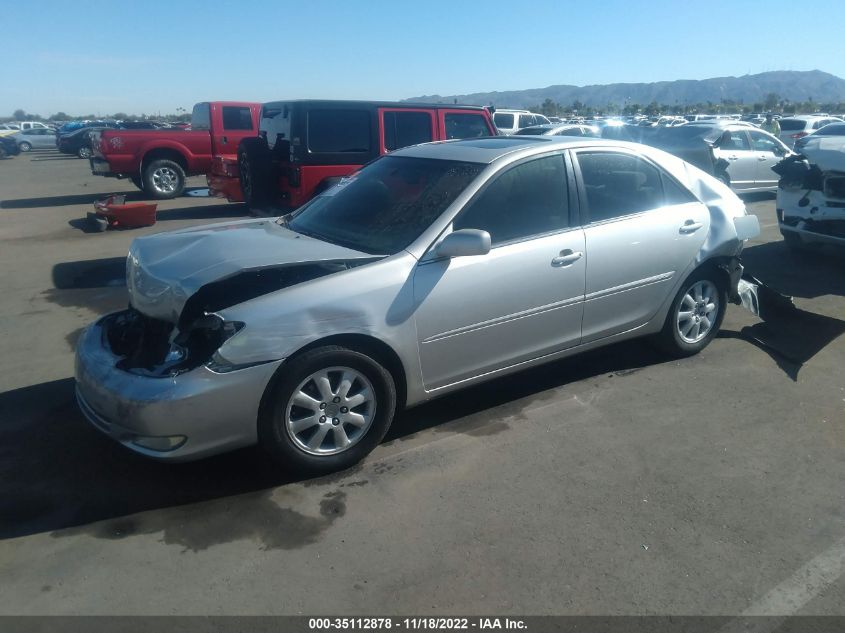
[330, 411]
[697, 311]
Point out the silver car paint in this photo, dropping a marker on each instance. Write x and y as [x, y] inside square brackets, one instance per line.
[408, 301]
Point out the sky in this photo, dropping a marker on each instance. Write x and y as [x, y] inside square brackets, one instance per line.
[155, 56]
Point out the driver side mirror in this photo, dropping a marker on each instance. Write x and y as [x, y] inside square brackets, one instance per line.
[464, 243]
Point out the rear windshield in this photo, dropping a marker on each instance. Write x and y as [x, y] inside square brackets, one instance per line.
[790, 125]
[503, 119]
[385, 206]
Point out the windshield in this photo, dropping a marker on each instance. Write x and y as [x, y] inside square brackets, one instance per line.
[386, 205]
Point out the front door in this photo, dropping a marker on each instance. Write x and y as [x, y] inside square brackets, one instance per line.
[769, 153]
[742, 161]
[522, 300]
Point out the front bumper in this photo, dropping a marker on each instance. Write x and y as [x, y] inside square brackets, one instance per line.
[215, 412]
[812, 233]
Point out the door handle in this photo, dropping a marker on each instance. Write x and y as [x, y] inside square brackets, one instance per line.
[566, 257]
[690, 226]
[762, 157]
[733, 157]
[225, 140]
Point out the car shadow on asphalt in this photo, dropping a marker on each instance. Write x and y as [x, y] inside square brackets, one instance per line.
[83, 198]
[791, 335]
[807, 273]
[57, 471]
[212, 212]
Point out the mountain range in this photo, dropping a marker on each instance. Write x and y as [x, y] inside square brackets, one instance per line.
[792, 85]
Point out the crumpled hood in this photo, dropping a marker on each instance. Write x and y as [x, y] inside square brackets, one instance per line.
[164, 270]
[827, 152]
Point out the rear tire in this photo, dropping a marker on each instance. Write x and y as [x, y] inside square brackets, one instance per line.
[84, 152]
[696, 314]
[254, 167]
[304, 426]
[164, 179]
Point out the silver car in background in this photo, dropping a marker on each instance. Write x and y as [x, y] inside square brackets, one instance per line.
[433, 268]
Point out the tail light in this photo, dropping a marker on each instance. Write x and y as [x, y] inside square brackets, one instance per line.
[799, 135]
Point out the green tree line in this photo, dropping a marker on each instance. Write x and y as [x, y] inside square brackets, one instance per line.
[772, 103]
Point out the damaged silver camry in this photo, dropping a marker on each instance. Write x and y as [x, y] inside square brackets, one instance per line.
[431, 269]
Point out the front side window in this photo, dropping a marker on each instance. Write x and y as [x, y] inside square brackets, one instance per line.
[237, 118]
[387, 205]
[527, 200]
[460, 125]
[734, 141]
[339, 131]
[402, 129]
[619, 184]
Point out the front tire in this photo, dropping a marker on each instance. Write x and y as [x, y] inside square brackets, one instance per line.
[84, 152]
[327, 410]
[696, 314]
[25, 146]
[164, 179]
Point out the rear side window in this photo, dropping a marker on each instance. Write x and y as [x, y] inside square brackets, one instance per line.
[201, 117]
[460, 125]
[402, 129]
[339, 131]
[503, 120]
[236, 118]
[619, 184]
[527, 200]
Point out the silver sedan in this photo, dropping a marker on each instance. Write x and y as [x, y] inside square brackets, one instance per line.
[431, 269]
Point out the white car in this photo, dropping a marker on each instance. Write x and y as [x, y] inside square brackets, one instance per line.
[811, 194]
[509, 121]
[795, 127]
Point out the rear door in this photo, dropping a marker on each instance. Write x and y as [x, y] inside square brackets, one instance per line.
[769, 153]
[401, 127]
[735, 148]
[641, 229]
[463, 124]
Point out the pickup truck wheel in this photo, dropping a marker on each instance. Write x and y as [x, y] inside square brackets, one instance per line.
[254, 170]
[25, 147]
[164, 179]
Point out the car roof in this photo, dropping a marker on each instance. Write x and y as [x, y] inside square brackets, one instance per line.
[487, 150]
[369, 104]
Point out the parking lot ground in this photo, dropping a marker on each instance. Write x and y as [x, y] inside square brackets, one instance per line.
[616, 482]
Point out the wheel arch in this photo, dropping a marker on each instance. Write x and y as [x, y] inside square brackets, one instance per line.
[377, 349]
[165, 153]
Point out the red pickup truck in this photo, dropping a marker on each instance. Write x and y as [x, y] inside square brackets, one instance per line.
[159, 161]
